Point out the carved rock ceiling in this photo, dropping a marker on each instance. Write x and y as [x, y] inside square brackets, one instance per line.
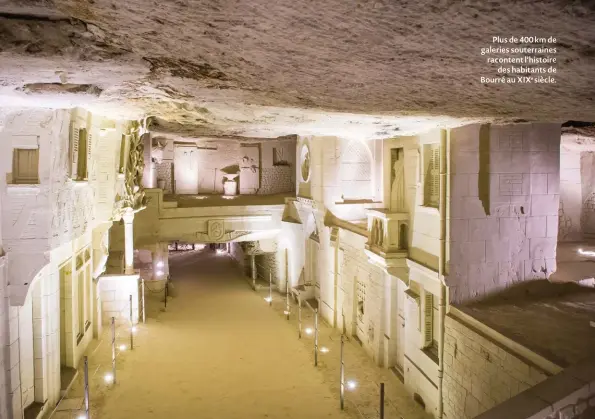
[365, 69]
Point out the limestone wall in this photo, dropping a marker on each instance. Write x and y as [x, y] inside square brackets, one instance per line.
[115, 293]
[44, 224]
[356, 271]
[424, 246]
[568, 395]
[504, 190]
[7, 386]
[588, 193]
[571, 199]
[164, 173]
[479, 373]
[339, 170]
[58, 209]
[237, 253]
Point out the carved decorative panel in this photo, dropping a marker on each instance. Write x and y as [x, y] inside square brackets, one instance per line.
[215, 229]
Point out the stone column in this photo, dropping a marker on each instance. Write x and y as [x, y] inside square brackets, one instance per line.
[253, 271]
[128, 242]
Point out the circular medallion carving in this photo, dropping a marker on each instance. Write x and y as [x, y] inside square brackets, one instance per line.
[305, 163]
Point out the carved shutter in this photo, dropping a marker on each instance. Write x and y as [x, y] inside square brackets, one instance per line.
[74, 150]
[89, 161]
[435, 175]
[428, 319]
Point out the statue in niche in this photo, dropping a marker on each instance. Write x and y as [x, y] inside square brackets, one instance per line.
[157, 151]
[377, 233]
[397, 192]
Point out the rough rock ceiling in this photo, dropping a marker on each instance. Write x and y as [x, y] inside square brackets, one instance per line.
[260, 67]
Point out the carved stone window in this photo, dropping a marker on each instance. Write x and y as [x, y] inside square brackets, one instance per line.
[280, 157]
[431, 175]
[25, 166]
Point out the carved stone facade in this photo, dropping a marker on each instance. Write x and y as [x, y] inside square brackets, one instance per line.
[210, 166]
[54, 234]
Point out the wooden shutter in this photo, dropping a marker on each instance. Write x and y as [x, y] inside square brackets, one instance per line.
[74, 150]
[82, 154]
[26, 166]
[428, 319]
[89, 161]
[435, 176]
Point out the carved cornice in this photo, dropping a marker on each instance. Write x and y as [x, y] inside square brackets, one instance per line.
[226, 237]
[394, 263]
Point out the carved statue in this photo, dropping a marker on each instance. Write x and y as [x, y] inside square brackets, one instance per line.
[157, 151]
[397, 192]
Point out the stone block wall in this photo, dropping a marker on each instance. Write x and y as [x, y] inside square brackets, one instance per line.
[567, 395]
[503, 206]
[164, 172]
[355, 267]
[237, 253]
[480, 374]
[267, 264]
[588, 192]
[6, 386]
[277, 179]
[115, 291]
[569, 225]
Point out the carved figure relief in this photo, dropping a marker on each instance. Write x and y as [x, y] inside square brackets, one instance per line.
[377, 233]
[397, 192]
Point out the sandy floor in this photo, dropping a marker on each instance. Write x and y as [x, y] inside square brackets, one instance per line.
[219, 351]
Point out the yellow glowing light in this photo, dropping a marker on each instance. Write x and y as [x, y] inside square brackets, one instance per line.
[268, 299]
[160, 264]
[159, 273]
[82, 416]
[286, 312]
[324, 349]
[108, 378]
[351, 385]
[122, 347]
[133, 329]
[309, 331]
[586, 252]
[220, 251]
